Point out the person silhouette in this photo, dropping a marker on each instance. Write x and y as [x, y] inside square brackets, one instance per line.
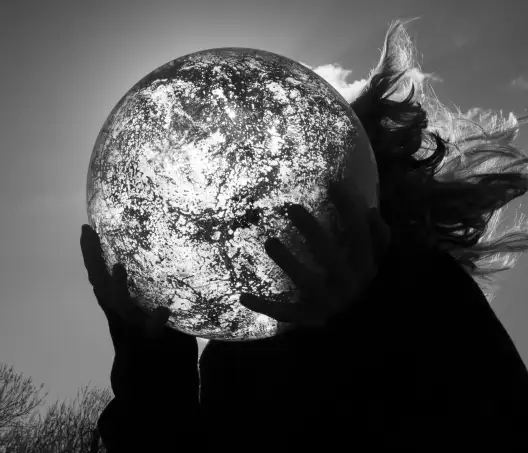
[401, 351]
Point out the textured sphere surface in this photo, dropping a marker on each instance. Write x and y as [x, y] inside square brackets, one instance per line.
[190, 171]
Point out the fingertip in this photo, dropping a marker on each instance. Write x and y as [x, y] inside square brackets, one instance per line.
[260, 305]
[248, 300]
[118, 270]
[162, 314]
[87, 229]
[85, 234]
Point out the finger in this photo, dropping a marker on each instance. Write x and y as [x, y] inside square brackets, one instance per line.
[324, 250]
[92, 256]
[316, 238]
[120, 294]
[297, 313]
[121, 301]
[299, 275]
[98, 275]
[354, 215]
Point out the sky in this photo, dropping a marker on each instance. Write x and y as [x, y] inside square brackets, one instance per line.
[67, 63]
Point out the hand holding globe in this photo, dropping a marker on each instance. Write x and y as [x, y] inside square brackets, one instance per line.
[112, 293]
[350, 259]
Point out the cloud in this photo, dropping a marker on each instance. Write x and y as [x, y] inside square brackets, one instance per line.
[520, 82]
[337, 76]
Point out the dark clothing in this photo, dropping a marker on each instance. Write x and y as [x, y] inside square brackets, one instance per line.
[420, 363]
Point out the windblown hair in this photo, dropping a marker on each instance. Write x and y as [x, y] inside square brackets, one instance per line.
[445, 177]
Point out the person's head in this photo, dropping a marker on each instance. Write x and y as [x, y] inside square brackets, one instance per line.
[445, 177]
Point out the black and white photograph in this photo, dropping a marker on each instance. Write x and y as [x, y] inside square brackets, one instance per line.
[260, 225]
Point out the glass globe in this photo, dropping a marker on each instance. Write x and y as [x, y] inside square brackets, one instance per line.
[190, 171]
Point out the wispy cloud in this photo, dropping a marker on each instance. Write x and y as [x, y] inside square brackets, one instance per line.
[337, 76]
[418, 76]
[520, 82]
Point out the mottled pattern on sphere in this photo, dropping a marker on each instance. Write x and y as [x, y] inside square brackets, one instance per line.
[191, 169]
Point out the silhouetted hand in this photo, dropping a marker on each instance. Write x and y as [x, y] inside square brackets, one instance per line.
[149, 355]
[112, 293]
[350, 255]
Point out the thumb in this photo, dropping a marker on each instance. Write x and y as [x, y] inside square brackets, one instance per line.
[120, 296]
[155, 323]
